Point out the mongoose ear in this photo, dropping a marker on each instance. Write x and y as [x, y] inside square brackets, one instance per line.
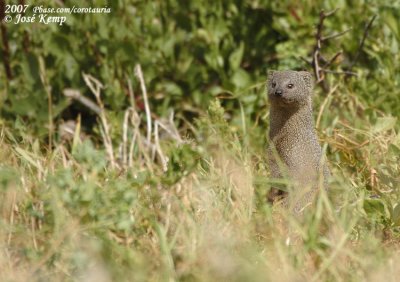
[308, 78]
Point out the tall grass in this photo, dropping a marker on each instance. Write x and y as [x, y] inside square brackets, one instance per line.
[84, 212]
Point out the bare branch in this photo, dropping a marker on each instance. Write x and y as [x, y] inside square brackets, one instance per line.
[76, 95]
[306, 61]
[328, 14]
[333, 59]
[95, 86]
[335, 35]
[366, 30]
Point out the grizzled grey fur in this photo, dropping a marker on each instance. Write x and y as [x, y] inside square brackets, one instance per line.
[294, 150]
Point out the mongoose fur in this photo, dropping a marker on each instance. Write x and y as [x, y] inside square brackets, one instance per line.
[294, 148]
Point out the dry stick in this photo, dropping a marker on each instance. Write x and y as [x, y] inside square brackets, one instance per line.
[330, 13]
[175, 130]
[366, 30]
[317, 48]
[317, 56]
[141, 144]
[158, 147]
[89, 80]
[171, 130]
[11, 218]
[135, 121]
[335, 35]
[76, 95]
[139, 74]
[137, 138]
[133, 118]
[306, 61]
[131, 94]
[321, 109]
[131, 148]
[125, 138]
[333, 59]
[33, 234]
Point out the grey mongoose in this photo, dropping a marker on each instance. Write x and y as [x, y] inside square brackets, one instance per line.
[294, 150]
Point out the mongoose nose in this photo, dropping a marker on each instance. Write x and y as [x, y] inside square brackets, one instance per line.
[278, 92]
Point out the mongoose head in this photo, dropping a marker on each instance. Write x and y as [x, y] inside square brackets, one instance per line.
[289, 88]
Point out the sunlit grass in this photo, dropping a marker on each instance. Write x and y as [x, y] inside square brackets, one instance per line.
[69, 215]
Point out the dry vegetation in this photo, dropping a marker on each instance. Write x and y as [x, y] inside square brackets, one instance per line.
[84, 213]
[111, 170]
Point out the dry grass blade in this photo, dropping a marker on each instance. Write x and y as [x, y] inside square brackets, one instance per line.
[158, 147]
[139, 74]
[76, 95]
[336, 35]
[95, 86]
[47, 87]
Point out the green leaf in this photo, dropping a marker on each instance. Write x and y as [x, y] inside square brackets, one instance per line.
[374, 207]
[28, 157]
[396, 215]
[241, 78]
[236, 57]
[173, 89]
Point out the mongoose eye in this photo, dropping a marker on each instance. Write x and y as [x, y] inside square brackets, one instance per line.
[290, 85]
[273, 84]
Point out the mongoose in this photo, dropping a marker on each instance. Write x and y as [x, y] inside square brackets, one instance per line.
[294, 149]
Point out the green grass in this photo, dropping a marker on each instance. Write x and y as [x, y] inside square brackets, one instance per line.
[66, 214]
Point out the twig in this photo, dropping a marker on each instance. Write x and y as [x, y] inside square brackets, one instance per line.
[131, 94]
[33, 233]
[327, 64]
[317, 48]
[76, 95]
[331, 13]
[131, 148]
[139, 74]
[95, 86]
[171, 129]
[306, 61]
[321, 109]
[11, 220]
[366, 30]
[158, 147]
[318, 58]
[125, 137]
[335, 35]
[135, 121]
